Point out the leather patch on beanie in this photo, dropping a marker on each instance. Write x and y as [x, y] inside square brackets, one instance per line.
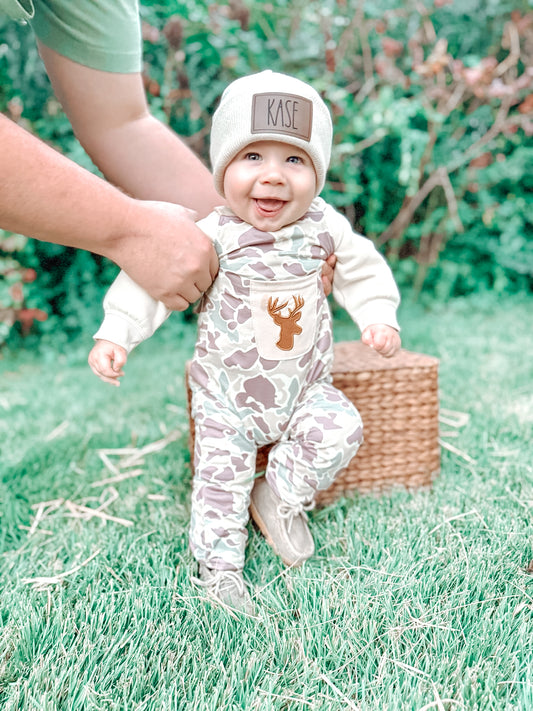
[289, 114]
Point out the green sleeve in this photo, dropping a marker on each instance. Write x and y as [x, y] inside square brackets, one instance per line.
[101, 34]
[17, 9]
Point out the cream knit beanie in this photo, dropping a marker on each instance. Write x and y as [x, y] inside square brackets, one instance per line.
[270, 106]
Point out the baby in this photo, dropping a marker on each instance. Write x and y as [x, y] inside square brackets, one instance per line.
[261, 367]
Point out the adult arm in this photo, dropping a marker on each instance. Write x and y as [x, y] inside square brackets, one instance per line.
[46, 196]
[133, 149]
[111, 119]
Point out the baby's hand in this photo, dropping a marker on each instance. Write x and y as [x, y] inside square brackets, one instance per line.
[384, 339]
[107, 360]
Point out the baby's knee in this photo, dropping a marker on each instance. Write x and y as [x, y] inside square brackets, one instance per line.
[340, 432]
[354, 440]
[352, 434]
[346, 425]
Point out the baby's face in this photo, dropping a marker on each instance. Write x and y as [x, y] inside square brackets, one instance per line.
[270, 184]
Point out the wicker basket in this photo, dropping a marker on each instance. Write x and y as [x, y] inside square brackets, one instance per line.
[398, 402]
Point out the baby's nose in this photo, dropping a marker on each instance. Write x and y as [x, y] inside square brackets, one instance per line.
[272, 173]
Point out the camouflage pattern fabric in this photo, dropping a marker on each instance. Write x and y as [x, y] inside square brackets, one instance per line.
[261, 374]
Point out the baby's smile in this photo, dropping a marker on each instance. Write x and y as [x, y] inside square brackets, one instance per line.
[269, 206]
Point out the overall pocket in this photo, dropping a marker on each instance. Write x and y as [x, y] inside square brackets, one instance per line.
[284, 316]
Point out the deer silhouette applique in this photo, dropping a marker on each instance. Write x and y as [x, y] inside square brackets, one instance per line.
[289, 327]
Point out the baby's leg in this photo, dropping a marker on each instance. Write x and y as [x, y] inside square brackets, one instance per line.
[324, 433]
[224, 467]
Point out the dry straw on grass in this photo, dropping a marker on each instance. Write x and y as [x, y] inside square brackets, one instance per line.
[122, 470]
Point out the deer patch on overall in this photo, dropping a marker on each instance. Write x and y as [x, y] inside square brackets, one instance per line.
[289, 327]
[284, 316]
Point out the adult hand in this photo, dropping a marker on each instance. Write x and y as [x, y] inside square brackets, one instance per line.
[156, 243]
[166, 253]
[328, 271]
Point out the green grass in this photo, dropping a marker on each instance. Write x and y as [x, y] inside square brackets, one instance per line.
[414, 600]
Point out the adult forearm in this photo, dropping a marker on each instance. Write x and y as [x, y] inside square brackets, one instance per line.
[46, 196]
[150, 162]
[133, 149]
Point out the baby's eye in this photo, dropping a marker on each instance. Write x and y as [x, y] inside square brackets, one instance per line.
[294, 159]
[252, 156]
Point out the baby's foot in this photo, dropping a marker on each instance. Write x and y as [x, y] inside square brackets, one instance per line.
[284, 526]
[226, 587]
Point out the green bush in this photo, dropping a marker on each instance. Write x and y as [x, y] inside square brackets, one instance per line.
[431, 104]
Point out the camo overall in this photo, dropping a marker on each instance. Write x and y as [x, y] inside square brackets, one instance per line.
[261, 368]
[261, 374]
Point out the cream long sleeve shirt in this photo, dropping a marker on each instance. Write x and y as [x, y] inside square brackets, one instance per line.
[363, 283]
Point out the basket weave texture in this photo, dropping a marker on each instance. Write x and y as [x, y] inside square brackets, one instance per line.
[397, 399]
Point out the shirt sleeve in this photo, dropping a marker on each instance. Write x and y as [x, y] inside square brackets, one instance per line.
[100, 34]
[131, 314]
[363, 283]
[17, 9]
